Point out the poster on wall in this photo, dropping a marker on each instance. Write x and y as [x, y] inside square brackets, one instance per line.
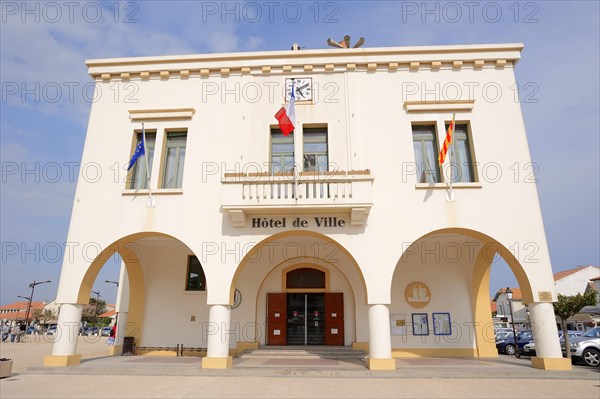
[420, 324]
[398, 324]
[441, 324]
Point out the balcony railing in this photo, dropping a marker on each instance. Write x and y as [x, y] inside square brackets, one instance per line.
[255, 193]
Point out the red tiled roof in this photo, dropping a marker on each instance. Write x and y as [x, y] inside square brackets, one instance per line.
[20, 315]
[21, 306]
[565, 273]
[493, 306]
[110, 313]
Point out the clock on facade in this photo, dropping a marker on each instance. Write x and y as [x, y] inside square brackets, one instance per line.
[303, 90]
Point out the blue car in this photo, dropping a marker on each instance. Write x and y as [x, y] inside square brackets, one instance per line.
[507, 346]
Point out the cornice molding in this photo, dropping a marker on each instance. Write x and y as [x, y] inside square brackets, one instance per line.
[389, 59]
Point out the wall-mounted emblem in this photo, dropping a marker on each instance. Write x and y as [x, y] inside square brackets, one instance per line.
[417, 294]
[237, 298]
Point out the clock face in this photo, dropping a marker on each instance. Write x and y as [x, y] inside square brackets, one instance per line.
[303, 90]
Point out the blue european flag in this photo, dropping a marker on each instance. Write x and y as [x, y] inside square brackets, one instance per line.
[139, 151]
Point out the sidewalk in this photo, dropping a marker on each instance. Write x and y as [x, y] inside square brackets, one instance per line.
[100, 376]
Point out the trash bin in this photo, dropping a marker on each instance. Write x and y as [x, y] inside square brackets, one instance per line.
[128, 346]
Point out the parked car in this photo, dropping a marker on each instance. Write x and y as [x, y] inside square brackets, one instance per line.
[92, 330]
[529, 349]
[586, 348]
[31, 330]
[507, 346]
[51, 330]
[105, 331]
[501, 335]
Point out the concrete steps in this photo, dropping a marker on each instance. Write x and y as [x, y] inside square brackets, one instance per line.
[305, 352]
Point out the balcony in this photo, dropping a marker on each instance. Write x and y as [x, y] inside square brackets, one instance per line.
[338, 192]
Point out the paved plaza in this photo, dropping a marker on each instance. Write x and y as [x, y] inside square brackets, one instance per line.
[101, 376]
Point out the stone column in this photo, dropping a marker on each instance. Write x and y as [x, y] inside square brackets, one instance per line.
[547, 348]
[67, 332]
[380, 344]
[117, 348]
[122, 309]
[218, 330]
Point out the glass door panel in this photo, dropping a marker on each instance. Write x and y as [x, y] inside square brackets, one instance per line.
[305, 319]
[296, 315]
[315, 317]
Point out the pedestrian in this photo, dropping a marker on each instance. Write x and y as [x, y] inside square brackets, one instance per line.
[112, 335]
[5, 332]
[14, 331]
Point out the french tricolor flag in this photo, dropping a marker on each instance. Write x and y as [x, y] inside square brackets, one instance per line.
[286, 116]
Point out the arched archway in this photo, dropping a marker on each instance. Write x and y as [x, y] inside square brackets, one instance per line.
[254, 254]
[454, 265]
[154, 262]
[264, 269]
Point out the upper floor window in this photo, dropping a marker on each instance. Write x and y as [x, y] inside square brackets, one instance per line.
[282, 152]
[315, 150]
[139, 174]
[426, 150]
[461, 155]
[174, 159]
[196, 281]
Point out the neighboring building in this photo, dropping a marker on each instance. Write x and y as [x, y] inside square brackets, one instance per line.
[567, 282]
[518, 308]
[17, 311]
[343, 233]
[596, 283]
[575, 281]
[578, 281]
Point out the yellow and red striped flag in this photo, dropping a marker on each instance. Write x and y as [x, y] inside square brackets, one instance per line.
[447, 142]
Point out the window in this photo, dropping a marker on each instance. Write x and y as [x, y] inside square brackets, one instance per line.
[282, 152]
[461, 155]
[174, 160]
[196, 281]
[139, 176]
[305, 278]
[426, 151]
[315, 150]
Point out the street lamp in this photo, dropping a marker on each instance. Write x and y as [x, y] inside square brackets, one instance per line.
[25, 297]
[97, 293]
[32, 286]
[117, 284]
[509, 296]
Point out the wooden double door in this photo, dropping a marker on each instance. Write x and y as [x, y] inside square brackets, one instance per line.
[305, 319]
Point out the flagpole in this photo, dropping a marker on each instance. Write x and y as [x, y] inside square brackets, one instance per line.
[151, 200]
[450, 193]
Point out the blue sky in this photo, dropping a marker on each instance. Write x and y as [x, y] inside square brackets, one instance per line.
[45, 101]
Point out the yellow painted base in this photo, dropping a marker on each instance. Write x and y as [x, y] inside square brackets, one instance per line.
[361, 346]
[242, 347]
[437, 352]
[115, 350]
[488, 350]
[156, 353]
[381, 364]
[62, 360]
[217, 362]
[551, 363]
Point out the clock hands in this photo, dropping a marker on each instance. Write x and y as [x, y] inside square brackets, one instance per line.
[299, 89]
